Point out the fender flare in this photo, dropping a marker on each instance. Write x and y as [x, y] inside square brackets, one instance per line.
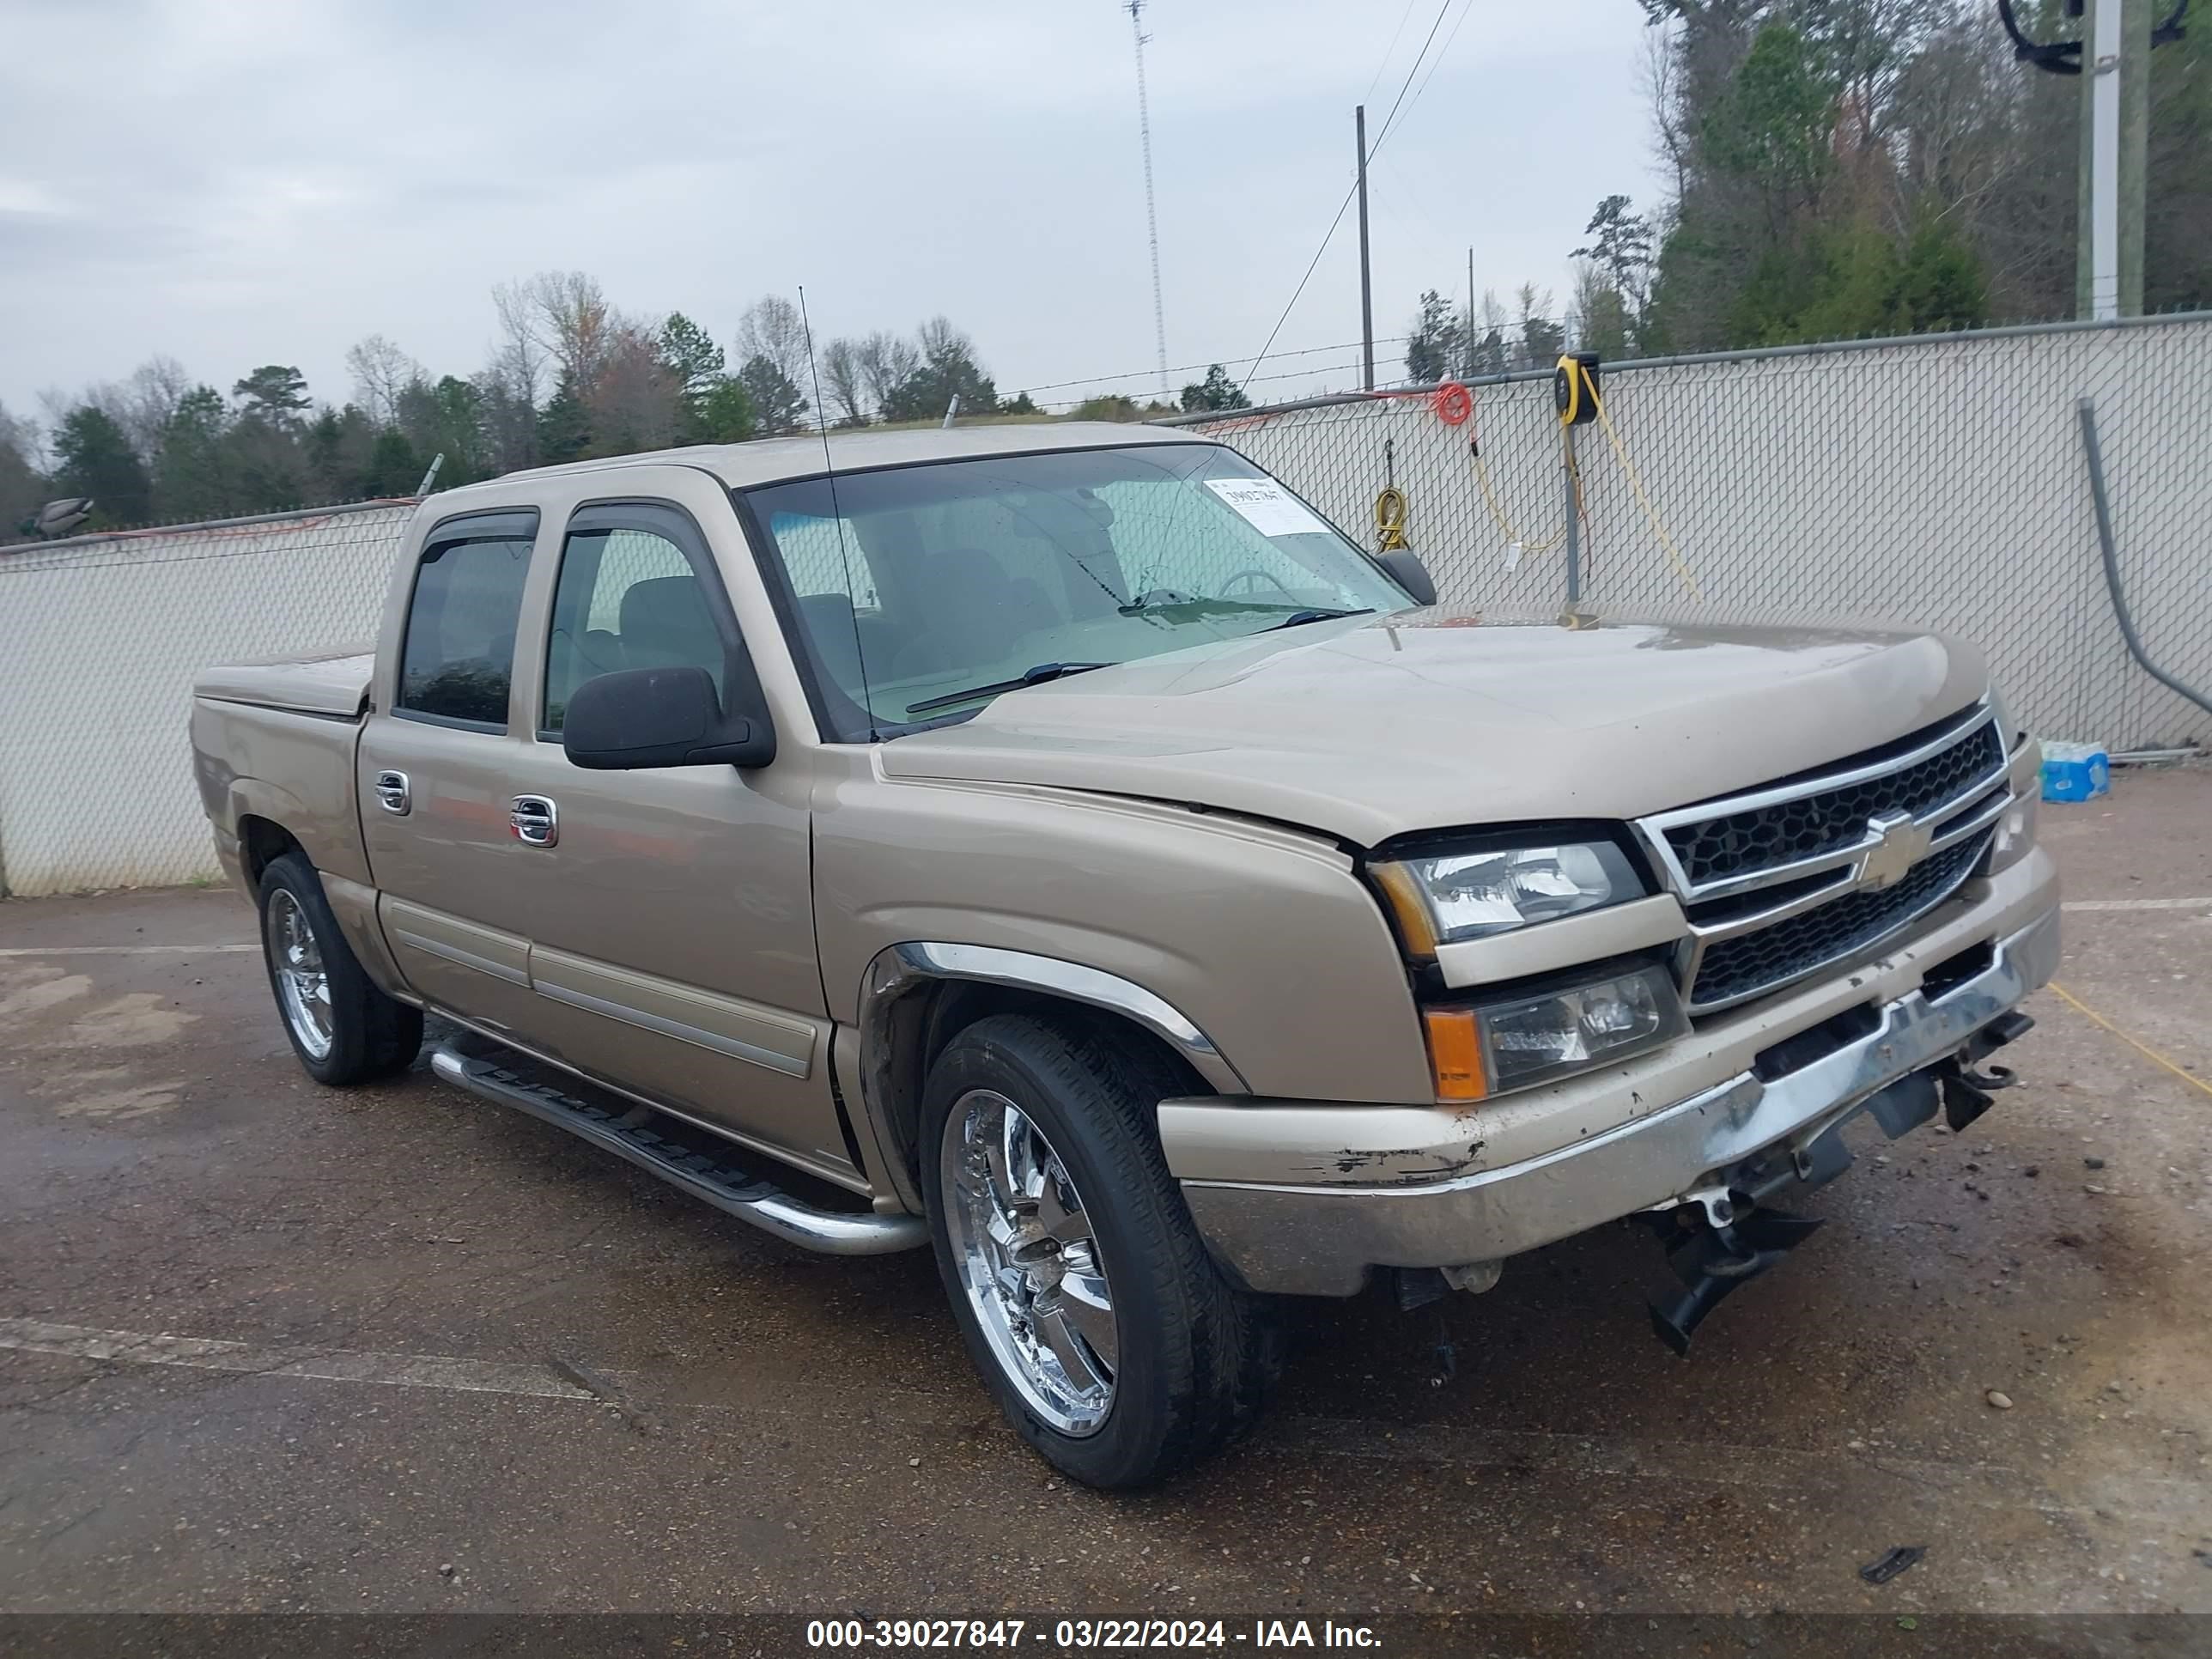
[897, 971]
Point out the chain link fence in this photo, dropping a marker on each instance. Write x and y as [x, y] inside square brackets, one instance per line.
[1930, 483]
[103, 639]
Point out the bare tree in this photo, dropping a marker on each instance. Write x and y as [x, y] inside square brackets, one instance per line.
[22, 490]
[941, 342]
[849, 393]
[1598, 313]
[509, 385]
[140, 404]
[771, 327]
[637, 401]
[1541, 338]
[1957, 106]
[381, 371]
[573, 323]
[517, 358]
[19, 436]
[1659, 80]
[885, 362]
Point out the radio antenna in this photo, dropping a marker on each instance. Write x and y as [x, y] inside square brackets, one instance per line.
[837, 517]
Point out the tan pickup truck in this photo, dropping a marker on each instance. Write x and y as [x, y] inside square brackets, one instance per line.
[1061, 846]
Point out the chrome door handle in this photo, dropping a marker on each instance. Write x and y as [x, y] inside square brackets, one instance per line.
[535, 820]
[391, 793]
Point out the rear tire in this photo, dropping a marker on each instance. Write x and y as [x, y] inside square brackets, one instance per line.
[343, 1028]
[1110, 1338]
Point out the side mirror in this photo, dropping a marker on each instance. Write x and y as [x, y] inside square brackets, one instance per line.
[644, 717]
[1404, 566]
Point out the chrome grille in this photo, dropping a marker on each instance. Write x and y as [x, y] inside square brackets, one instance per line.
[1717, 849]
[1781, 882]
[1736, 969]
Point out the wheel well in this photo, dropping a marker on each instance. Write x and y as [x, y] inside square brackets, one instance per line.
[260, 842]
[927, 1019]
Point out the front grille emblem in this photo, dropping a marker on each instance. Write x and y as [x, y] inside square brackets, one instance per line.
[1899, 844]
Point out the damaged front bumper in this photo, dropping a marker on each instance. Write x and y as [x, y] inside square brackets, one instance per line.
[1878, 1044]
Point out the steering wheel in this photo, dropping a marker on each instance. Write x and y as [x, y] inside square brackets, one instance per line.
[1255, 577]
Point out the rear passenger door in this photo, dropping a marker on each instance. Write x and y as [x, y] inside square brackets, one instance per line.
[435, 762]
[670, 916]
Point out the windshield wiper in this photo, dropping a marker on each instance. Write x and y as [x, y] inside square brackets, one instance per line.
[1300, 618]
[1036, 676]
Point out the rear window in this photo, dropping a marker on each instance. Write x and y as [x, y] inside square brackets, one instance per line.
[458, 657]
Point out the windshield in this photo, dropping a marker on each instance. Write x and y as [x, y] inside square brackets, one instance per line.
[928, 583]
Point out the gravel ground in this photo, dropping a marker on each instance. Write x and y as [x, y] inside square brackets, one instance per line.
[608, 1398]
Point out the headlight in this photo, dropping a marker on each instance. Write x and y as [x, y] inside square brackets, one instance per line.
[1480, 1052]
[1448, 898]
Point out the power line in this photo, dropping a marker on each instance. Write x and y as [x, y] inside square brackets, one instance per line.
[1329, 235]
[1389, 119]
[1388, 50]
[1438, 62]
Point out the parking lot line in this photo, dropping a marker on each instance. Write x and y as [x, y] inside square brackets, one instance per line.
[2138, 904]
[124, 950]
[406, 1370]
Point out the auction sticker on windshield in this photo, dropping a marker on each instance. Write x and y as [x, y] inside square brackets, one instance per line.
[1267, 506]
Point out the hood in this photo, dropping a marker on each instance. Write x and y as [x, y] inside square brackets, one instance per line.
[1371, 728]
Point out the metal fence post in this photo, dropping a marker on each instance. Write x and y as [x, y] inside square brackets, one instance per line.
[1574, 523]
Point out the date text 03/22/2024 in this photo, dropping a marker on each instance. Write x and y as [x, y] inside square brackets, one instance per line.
[1071, 1635]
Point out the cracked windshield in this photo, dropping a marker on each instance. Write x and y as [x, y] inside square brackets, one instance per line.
[926, 591]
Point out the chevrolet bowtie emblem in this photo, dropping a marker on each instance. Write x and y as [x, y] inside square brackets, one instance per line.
[1899, 843]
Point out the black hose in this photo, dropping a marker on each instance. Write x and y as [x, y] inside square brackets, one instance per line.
[2087, 410]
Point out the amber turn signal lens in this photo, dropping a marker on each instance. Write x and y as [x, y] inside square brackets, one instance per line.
[1404, 892]
[1456, 1054]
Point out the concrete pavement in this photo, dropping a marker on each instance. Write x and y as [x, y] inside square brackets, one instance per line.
[422, 1354]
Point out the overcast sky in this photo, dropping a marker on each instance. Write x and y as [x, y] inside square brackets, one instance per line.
[236, 182]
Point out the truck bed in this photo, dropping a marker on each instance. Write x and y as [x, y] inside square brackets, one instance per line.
[275, 741]
[335, 687]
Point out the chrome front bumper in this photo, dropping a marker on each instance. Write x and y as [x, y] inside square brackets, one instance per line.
[1324, 1239]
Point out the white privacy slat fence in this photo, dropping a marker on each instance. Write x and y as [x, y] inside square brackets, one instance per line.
[1931, 483]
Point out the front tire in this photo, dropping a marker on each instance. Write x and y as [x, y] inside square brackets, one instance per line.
[1087, 1300]
[343, 1028]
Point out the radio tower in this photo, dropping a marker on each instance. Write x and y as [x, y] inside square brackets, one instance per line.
[1136, 9]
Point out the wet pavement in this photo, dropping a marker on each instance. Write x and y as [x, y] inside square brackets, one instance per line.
[424, 1354]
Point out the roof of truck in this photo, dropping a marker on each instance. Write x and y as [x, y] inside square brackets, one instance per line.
[773, 460]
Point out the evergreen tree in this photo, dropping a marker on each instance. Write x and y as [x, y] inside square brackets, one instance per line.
[275, 393]
[192, 477]
[695, 363]
[1437, 339]
[777, 406]
[724, 414]
[394, 467]
[1216, 391]
[564, 425]
[94, 457]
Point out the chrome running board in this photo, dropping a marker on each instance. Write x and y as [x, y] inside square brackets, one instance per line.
[651, 1140]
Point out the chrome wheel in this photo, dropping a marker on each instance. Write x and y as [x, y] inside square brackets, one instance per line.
[1029, 1264]
[303, 988]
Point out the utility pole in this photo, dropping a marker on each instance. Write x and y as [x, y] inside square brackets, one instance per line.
[2115, 157]
[1366, 279]
[1468, 368]
[1152, 209]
